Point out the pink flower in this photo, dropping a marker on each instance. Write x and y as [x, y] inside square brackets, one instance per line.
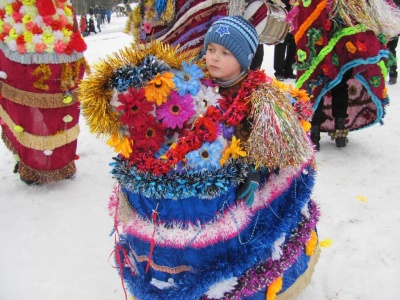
[147, 27]
[21, 49]
[40, 47]
[59, 47]
[176, 111]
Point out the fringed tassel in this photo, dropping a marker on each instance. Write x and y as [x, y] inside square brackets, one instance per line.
[274, 288]
[376, 15]
[43, 176]
[277, 139]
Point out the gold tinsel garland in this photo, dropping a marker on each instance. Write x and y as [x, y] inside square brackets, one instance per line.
[38, 142]
[95, 93]
[277, 139]
[39, 100]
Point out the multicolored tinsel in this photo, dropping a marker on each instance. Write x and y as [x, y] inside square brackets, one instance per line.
[376, 15]
[278, 138]
[178, 185]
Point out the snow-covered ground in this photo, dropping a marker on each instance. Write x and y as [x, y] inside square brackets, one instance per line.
[55, 243]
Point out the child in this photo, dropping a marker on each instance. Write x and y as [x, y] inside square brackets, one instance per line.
[213, 193]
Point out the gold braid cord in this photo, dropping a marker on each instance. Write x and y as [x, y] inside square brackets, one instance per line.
[95, 93]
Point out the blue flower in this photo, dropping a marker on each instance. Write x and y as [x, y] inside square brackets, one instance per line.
[227, 131]
[188, 80]
[207, 157]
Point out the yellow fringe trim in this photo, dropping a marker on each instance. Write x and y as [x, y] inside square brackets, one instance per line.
[38, 100]
[41, 142]
[303, 281]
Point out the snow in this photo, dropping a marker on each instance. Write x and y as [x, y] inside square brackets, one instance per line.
[55, 241]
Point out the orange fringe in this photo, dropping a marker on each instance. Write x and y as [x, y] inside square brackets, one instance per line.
[307, 23]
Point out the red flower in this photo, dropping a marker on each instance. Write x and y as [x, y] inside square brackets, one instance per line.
[36, 29]
[225, 102]
[136, 107]
[56, 25]
[2, 13]
[16, 5]
[206, 129]
[149, 136]
[17, 16]
[20, 40]
[361, 46]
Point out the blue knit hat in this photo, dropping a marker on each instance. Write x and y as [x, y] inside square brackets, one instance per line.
[237, 35]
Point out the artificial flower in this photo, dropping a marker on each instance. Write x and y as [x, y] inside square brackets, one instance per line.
[121, 145]
[351, 48]
[204, 98]
[149, 136]
[134, 106]
[147, 27]
[176, 111]
[227, 131]
[159, 87]
[300, 95]
[206, 157]
[233, 151]
[188, 80]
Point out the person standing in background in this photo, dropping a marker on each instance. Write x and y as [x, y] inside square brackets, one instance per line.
[284, 54]
[392, 45]
[98, 21]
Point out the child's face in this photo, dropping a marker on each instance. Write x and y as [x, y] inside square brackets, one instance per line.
[221, 63]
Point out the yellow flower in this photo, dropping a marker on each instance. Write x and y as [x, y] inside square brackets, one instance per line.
[233, 151]
[28, 36]
[300, 95]
[13, 34]
[27, 18]
[280, 85]
[120, 146]
[159, 87]
[48, 37]
[28, 2]
[311, 243]
[306, 125]
[67, 11]
[66, 32]
[9, 10]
